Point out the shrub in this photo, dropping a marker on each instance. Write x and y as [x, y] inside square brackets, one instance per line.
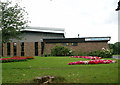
[115, 47]
[104, 53]
[46, 55]
[60, 51]
[79, 53]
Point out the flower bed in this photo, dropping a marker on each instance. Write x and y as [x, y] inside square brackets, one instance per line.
[93, 62]
[27, 57]
[15, 59]
[87, 57]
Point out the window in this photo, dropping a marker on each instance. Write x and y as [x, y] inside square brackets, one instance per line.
[22, 48]
[8, 49]
[70, 44]
[74, 44]
[96, 39]
[15, 48]
[36, 48]
[66, 44]
[2, 49]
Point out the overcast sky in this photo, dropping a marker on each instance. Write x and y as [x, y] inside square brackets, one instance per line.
[88, 18]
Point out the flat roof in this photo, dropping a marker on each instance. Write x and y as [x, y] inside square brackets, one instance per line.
[85, 39]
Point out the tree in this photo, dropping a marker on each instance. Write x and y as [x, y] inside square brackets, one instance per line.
[115, 47]
[12, 21]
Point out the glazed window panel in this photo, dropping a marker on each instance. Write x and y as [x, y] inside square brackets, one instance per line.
[22, 48]
[15, 48]
[74, 44]
[8, 49]
[36, 48]
[66, 44]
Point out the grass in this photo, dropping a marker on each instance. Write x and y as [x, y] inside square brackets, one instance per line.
[25, 72]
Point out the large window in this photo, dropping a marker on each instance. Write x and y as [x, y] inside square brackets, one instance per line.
[22, 48]
[15, 48]
[8, 49]
[36, 48]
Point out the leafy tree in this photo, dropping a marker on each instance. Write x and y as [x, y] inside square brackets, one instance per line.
[12, 21]
[115, 47]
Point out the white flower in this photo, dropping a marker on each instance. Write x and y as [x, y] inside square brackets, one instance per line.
[103, 48]
[113, 61]
[86, 62]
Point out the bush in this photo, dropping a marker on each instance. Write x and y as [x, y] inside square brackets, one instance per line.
[60, 51]
[46, 55]
[104, 53]
[115, 47]
[79, 53]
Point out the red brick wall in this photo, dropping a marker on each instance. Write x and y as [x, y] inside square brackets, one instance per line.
[4, 49]
[82, 47]
[49, 46]
[18, 49]
[29, 49]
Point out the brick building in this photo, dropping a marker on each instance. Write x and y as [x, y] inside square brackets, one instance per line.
[37, 41]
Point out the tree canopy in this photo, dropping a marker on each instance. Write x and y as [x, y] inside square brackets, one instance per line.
[12, 21]
[115, 47]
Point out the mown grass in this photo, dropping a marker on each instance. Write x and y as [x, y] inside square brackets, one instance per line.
[25, 72]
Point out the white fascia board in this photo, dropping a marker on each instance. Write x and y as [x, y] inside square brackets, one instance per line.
[51, 31]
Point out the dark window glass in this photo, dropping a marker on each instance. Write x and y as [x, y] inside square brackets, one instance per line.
[42, 48]
[8, 49]
[36, 48]
[2, 49]
[22, 48]
[66, 44]
[15, 48]
[74, 44]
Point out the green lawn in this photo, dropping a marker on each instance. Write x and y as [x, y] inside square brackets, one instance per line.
[25, 72]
